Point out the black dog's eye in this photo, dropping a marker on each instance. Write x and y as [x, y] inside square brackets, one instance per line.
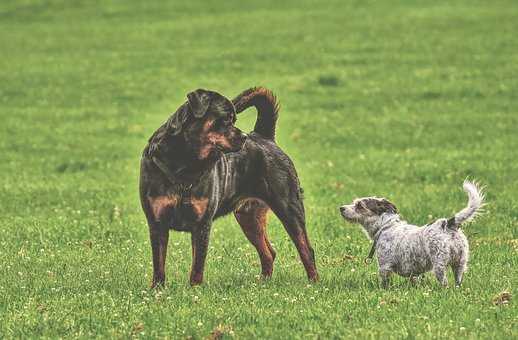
[221, 124]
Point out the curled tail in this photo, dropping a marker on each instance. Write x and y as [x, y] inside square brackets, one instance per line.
[267, 109]
[474, 207]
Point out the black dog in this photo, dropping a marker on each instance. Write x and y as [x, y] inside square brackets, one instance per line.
[198, 167]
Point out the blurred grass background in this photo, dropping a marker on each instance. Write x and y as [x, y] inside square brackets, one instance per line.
[399, 99]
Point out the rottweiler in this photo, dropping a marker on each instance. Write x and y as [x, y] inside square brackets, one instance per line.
[198, 166]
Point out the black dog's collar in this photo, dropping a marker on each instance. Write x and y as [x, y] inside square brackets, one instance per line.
[181, 187]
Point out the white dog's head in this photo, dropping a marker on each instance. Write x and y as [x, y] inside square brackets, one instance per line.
[367, 211]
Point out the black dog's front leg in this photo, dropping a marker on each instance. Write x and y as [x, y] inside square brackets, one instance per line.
[200, 243]
[159, 236]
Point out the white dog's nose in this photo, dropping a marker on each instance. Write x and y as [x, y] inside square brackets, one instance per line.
[342, 209]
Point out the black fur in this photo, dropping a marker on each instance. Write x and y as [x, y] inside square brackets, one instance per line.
[451, 223]
[184, 191]
[267, 109]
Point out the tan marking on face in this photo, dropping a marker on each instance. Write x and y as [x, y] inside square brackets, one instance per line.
[206, 145]
[208, 124]
[199, 206]
[159, 203]
[210, 140]
[219, 139]
[205, 151]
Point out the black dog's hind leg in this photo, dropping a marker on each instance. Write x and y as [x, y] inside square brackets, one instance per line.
[291, 213]
[252, 217]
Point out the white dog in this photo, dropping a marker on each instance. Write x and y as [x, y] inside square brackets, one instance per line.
[409, 250]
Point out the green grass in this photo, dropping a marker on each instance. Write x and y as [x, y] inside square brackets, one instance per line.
[402, 100]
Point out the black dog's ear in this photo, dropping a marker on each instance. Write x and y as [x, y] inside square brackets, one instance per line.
[176, 122]
[197, 105]
[199, 102]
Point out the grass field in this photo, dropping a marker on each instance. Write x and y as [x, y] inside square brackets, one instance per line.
[402, 100]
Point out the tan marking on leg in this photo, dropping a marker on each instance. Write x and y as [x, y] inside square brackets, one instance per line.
[159, 203]
[302, 244]
[199, 206]
[253, 220]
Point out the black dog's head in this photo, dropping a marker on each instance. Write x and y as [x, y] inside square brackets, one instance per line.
[206, 122]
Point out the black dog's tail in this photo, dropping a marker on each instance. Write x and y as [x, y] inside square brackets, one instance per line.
[267, 109]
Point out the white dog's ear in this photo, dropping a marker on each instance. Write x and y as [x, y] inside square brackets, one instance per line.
[391, 208]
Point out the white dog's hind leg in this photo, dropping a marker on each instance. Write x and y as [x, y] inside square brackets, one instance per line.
[440, 274]
[458, 271]
[414, 279]
[385, 277]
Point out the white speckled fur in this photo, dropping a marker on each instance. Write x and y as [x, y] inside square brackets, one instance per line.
[409, 250]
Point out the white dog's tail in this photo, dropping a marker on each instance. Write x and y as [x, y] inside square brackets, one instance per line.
[474, 207]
